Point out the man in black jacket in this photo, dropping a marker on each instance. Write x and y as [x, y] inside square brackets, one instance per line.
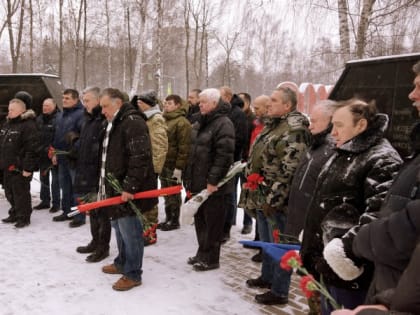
[392, 241]
[211, 155]
[87, 176]
[46, 125]
[19, 138]
[126, 155]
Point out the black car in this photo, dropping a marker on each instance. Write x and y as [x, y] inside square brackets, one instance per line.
[40, 86]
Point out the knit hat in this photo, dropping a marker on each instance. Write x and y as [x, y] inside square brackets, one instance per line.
[148, 98]
[25, 97]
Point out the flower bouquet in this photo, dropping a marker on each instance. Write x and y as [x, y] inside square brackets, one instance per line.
[190, 208]
[308, 284]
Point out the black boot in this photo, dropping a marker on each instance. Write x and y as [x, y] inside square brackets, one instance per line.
[90, 248]
[98, 255]
[171, 225]
[10, 219]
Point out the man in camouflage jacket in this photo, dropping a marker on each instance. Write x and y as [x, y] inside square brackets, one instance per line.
[285, 139]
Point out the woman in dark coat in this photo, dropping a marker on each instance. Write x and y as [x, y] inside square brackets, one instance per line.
[350, 189]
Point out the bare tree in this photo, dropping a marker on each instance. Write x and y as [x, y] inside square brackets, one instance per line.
[187, 10]
[60, 49]
[84, 51]
[158, 85]
[108, 42]
[15, 50]
[343, 12]
[137, 81]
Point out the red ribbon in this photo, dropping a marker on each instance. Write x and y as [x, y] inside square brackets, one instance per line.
[140, 195]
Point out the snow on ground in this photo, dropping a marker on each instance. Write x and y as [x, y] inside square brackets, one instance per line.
[41, 273]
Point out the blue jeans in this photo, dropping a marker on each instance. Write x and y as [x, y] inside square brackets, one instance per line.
[270, 270]
[65, 179]
[129, 236]
[46, 193]
[263, 230]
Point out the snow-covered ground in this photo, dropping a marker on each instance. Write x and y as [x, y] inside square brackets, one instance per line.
[41, 273]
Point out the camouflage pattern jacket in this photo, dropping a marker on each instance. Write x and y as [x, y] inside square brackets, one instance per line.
[285, 141]
[158, 137]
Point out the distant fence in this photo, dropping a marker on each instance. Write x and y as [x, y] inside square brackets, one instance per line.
[308, 94]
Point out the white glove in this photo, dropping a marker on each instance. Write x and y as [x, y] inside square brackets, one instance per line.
[177, 175]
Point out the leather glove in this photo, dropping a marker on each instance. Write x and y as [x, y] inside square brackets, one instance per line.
[269, 211]
[177, 175]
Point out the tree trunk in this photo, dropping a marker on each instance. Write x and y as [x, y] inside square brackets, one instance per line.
[187, 44]
[31, 37]
[77, 45]
[343, 12]
[84, 62]
[60, 50]
[158, 76]
[108, 43]
[363, 27]
[138, 63]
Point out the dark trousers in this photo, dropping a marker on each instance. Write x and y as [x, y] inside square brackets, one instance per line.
[100, 228]
[247, 218]
[347, 298]
[47, 190]
[232, 204]
[209, 221]
[66, 177]
[172, 202]
[17, 189]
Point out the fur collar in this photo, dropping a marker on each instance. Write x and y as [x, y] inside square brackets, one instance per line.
[29, 114]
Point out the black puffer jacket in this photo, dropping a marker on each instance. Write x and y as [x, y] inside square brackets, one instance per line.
[46, 125]
[19, 141]
[389, 242]
[129, 160]
[88, 155]
[239, 119]
[351, 186]
[211, 153]
[304, 180]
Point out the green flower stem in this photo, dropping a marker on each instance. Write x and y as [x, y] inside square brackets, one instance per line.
[319, 287]
[118, 188]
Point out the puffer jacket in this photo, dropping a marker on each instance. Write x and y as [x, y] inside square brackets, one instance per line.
[350, 190]
[19, 143]
[211, 152]
[129, 160]
[179, 138]
[390, 241]
[88, 155]
[304, 180]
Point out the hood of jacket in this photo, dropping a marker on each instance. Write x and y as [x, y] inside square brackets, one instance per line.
[152, 111]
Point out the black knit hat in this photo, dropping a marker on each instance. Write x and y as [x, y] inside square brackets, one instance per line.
[148, 98]
[25, 97]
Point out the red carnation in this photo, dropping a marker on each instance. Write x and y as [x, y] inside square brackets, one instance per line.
[290, 259]
[276, 236]
[253, 181]
[308, 285]
[11, 168]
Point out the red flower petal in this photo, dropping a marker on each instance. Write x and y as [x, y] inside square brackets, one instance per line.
[289, 259]
[305, 283]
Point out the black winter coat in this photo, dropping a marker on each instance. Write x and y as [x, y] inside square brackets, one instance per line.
[46, 125]
[19, 142]
[351, 185]
[129, 160]
[389, 242]
[88, 154]
[211, 152]
[239, 119]
[304, 180]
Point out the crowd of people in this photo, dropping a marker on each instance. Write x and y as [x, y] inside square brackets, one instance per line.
[331, 180]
